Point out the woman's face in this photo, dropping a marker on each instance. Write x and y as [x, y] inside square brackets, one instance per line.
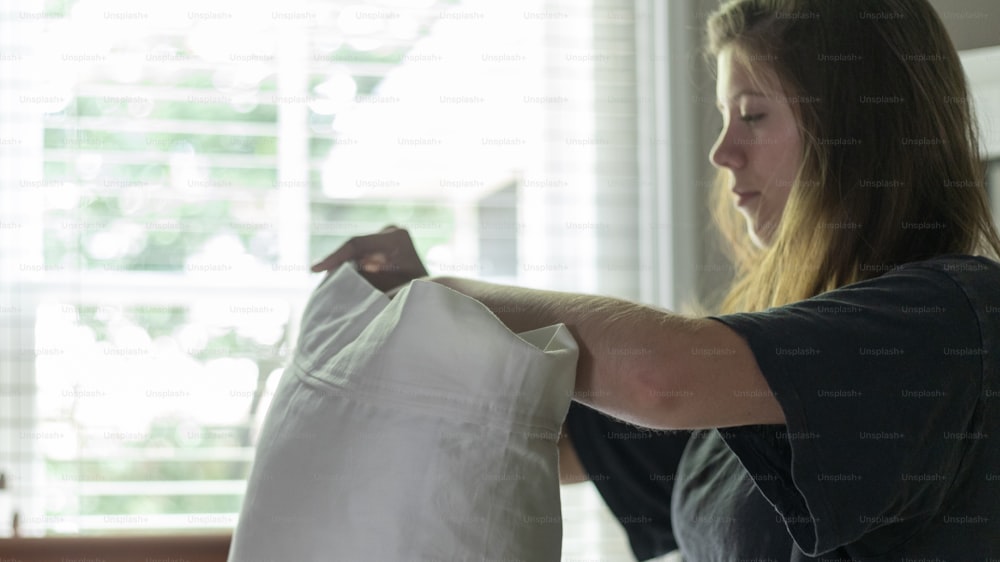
[759, 147]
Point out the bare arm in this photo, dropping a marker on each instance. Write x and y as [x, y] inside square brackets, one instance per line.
[641, 364]
[638, 363]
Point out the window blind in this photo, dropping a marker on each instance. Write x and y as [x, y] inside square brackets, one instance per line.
[170, 170]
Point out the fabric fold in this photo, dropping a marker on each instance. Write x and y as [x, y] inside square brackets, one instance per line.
[419, 428]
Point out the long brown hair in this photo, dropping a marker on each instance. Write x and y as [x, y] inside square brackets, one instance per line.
[891, 171]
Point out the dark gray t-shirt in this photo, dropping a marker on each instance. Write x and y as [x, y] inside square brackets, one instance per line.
[891, 394]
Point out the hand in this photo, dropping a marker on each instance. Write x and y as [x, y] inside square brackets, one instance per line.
[387, 259]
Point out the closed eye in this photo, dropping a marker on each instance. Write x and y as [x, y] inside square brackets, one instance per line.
[752, 118]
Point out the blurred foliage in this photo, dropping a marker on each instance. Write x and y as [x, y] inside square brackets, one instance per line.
[163, 435]
[205, 105]
[168, 434]
[123, 200]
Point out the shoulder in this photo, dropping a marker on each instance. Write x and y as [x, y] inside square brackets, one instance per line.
[963, 269]
[911, 319]
[968, 285]
[952, 284]
[955, 284]
[977, 276]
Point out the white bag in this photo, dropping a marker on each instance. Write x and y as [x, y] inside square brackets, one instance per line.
[417, 429]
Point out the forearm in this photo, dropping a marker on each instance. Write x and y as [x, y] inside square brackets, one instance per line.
[625, 354]
[638, 363]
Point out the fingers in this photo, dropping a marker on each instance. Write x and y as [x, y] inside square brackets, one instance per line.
[373, 263]
[372, 251]
[343, 254]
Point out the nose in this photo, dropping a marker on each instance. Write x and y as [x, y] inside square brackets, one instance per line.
[726, 152]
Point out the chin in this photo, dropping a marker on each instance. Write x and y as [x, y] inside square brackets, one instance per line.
[761, 234]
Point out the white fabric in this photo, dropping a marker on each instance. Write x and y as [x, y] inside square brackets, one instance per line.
[415, 429]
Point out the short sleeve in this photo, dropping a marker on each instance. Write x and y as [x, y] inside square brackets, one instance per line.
[634, 470]
[879, 382]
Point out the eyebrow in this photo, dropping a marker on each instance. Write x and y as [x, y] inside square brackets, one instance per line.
[742, 93]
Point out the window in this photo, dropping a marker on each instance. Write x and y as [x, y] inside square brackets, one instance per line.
[980, 69]
[168, 171]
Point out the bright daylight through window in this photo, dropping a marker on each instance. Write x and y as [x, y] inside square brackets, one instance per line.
[171, 169]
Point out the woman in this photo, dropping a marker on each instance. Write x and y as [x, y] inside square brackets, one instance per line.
[854, 368]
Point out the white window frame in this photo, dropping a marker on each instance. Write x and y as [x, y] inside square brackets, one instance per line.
[984, 81]
[668, 240]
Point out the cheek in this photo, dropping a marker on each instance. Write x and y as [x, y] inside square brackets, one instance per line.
[787, 166]
[780, 199]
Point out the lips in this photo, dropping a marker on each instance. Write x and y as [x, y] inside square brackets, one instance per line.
[745, 197]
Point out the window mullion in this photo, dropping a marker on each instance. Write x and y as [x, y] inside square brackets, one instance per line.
[293, 147]
[22, 188]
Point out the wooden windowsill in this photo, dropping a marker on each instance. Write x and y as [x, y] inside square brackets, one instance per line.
[187, 548]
